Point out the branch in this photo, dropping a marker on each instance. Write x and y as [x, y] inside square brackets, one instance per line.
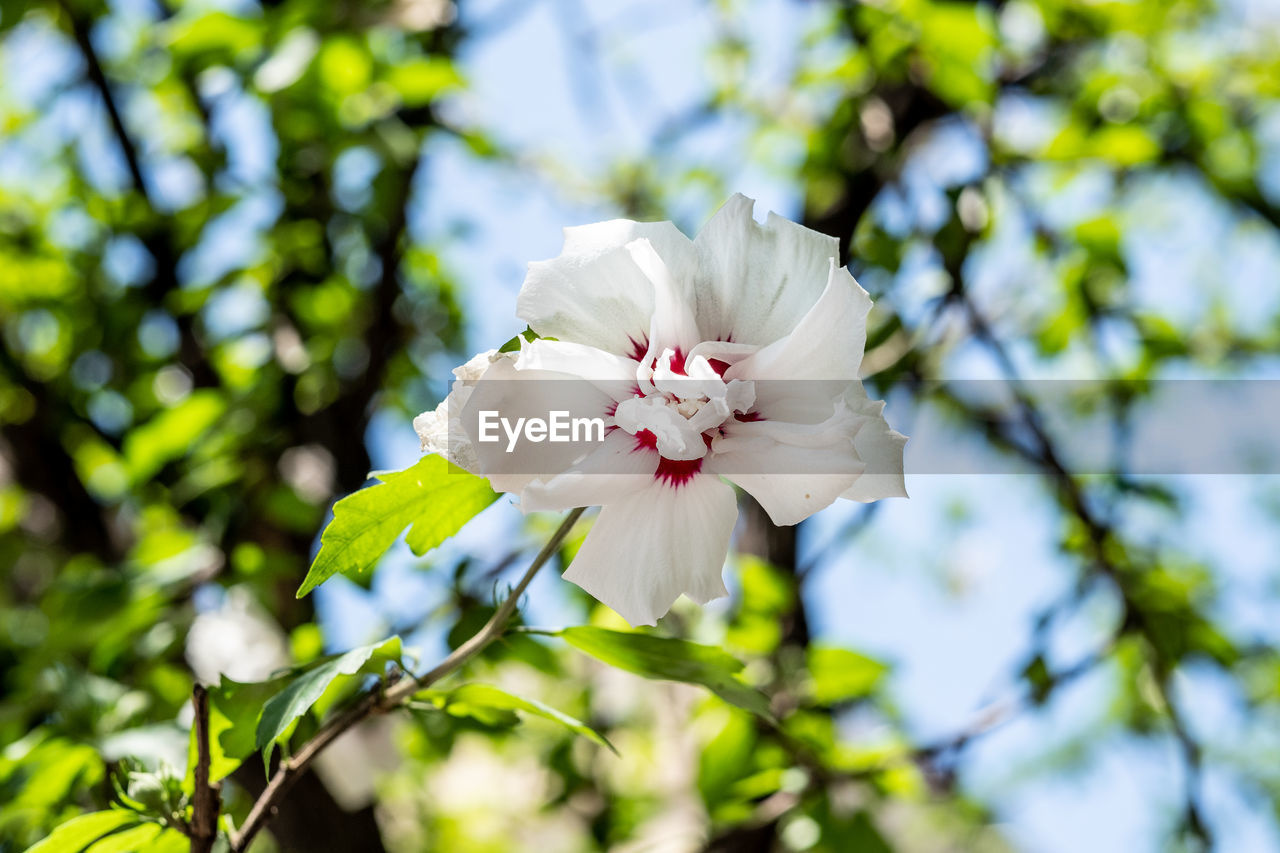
[205, 802]
[1193, 820]
[492, 629]
[384, 335]
[80, 30]
[383, 697]
[42, 464]
[156, 233]
[1099, 532]
[938, 759]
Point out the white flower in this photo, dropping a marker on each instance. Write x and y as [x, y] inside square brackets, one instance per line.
[442, 434]
[733, 355]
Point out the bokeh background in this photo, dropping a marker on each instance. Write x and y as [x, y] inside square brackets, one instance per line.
[242, 244]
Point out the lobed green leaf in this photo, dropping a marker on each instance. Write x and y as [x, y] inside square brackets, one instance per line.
[433, 498]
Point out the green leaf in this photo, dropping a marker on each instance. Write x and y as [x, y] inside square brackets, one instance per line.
[956, 51]
[766, 595]
[856, 833]
[169, 841]
[489, 718]
[670, 660]
[839, 675]
[245, 717]
[513, 345]
[309, 685]
[79, 832]
[434, 496]
[221, 763]
[129, 840]
[52, 770]
[421, 80]
[234, 710]
[344, 65]
[1127, 145]
[214, 31]
[470, 697]
[170, 434]
[727, 757]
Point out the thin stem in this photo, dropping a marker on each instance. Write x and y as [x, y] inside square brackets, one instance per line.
[205, 805]
[80, 30]
[383, 698]
[491, 630]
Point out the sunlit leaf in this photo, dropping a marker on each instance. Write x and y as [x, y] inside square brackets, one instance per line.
[221, 764]
[78, 833]
[128, 840]
[1127, 145]
[513, 345]
[434, 496]
[169, 841]
[234, 711]
[305, 689]
[420, 81]
[52, 769]
[213, 31]
[766, 596]
[670, 660]
[469, 698]
[344, 65]
[171, 434]
[727, 757]
[839, 675]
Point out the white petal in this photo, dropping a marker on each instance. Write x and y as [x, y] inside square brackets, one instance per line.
[826, 343]
[593, 293]
[880, 447]
[723, 351]
[617, 468]
[756, 281]
[504, 392]
[440, 431]
[799, 401]
[651, 546]
[602, 300]
[677, 250]
[672, 325]
[475, 368]
[615, 375]
[710, 414]
[434, 434]
[793, 470]
[580, 360]
[699, 379]
[677, 437]
[740, 395]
